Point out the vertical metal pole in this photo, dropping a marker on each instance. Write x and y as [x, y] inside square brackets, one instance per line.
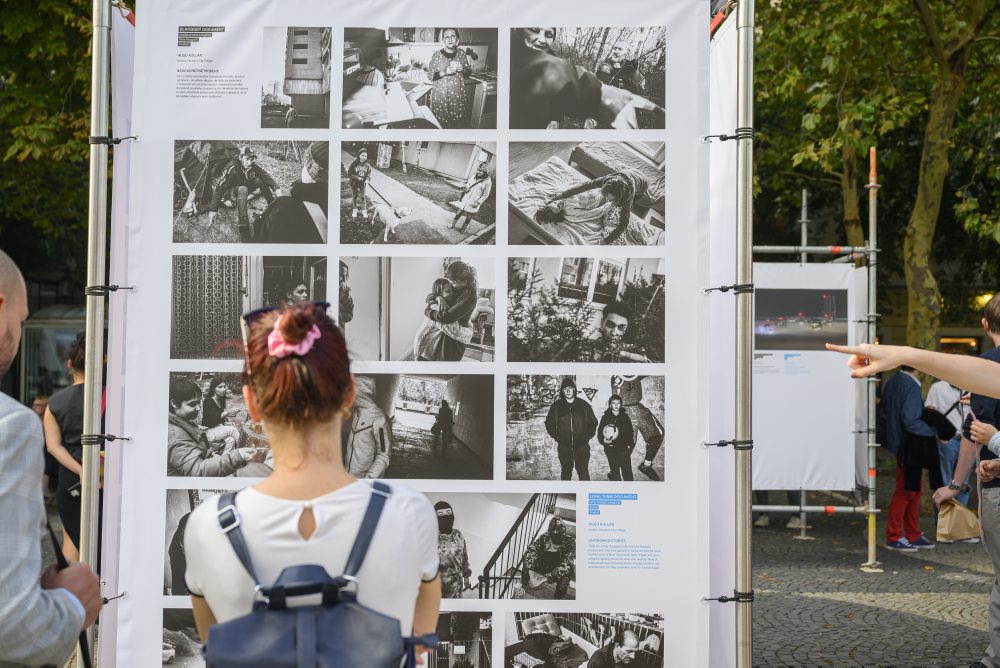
[804, 222]
[872, 187]
[97, 220]
[744, 329]
[803, 502]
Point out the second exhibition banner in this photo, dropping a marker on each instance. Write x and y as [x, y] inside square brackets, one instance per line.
[354, 153]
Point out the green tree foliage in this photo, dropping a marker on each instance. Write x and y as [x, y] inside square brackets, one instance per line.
[918, 79]
[44, 124]
[544, 327]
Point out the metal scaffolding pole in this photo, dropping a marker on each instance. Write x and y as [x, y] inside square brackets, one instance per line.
[804, 222]
[97, 223]
[810, 250]
[872, 564]
[744, 330]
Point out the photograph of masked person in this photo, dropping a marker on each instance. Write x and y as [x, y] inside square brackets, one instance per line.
[554, 84]
[586, 310]
[488, 540]
[551, 559]
[571, 423]
[250, 191]
[594, 193]
[209, 292]
[418, 192]
[629, 433]
[423, 309]
[195, 451]
[454, 554]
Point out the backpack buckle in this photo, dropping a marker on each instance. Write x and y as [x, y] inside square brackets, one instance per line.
[228, 522]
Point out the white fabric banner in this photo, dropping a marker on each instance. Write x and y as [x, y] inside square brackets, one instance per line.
[251, 87]
[803, 401]
[722, 336]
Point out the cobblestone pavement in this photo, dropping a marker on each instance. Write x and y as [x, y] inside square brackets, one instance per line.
[815, 607]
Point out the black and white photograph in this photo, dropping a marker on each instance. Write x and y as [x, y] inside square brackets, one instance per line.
[180, 503]
[506, 545]
[418, 308]
[181, 643]
[794, 319]
[597, 639]
[585, 309]
[587, 78]
[586, 193]
[273, 192]
[582, 427]
[418, 192]
[420, 426]
[427, 78]
[465, 638]
[212, 292]
[295, 88]
[209, 431]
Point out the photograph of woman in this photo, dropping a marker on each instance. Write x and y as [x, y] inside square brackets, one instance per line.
[451, 98]
[295, 292]
[427, 340]
[476, 192]
[447, 341]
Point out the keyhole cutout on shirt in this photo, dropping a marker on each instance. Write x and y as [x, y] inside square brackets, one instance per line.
[307, 523]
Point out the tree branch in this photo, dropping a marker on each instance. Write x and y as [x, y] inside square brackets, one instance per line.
[981, 15]
[931, 30]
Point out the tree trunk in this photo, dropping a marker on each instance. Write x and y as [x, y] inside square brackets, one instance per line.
[600, 49]
[849, 193]
[923, 295]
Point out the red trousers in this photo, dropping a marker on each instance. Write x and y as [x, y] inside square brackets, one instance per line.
[904, 512]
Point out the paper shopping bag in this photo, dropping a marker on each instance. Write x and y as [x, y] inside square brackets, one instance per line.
[956, 522]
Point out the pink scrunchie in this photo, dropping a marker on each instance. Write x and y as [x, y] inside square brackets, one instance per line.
[278, 347]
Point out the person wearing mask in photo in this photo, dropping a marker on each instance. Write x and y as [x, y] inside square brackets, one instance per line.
[63, 424]
[545, 88]
[464, 300]
[359, 173]
[453, 553]
[345, 303]
[40, 618]
[476, 192]
[189, 452]
[572, 423]
[367, 433]
[308, 510]
[617, 435]
[451, 98]
[551, 556]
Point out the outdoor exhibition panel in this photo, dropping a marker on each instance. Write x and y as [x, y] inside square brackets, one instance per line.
[248, 189]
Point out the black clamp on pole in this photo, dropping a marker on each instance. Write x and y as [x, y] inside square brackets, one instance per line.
[97, 439]
[109, 140]
[737, 597]
[105, 290]
[107, 599]
[738, 133]
[737, 445]
[738, 289]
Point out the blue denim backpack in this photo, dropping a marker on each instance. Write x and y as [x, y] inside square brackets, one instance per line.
[337, 633]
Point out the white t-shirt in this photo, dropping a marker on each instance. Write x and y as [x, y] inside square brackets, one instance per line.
[402, 554]
[941, 397]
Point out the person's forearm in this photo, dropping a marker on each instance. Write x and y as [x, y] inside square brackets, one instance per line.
[966, 461]
[62, 455]
[973, 374]
[425, 613]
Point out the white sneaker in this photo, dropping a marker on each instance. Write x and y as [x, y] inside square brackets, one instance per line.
[354, 213]
[795, 522]
[762, 522]
[364, 213]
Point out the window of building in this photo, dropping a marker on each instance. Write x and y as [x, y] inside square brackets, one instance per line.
[300, 61]
[300, 32]
[300, 46]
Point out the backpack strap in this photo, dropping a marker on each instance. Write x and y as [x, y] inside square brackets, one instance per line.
[428, 642]
[229, 524]
[380, 492]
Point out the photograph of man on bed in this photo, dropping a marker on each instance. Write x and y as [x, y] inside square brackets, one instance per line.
[586, 193]
[583, 640]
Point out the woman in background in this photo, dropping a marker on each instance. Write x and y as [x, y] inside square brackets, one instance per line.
[451, 98]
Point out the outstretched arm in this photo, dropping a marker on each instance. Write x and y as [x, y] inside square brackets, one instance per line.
[582, 188]
[973, 374]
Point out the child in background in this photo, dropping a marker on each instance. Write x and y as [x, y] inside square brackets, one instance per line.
[439, 300]
[360, 173]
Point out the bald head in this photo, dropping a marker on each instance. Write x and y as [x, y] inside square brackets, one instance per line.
[625, 653]
[13, 310]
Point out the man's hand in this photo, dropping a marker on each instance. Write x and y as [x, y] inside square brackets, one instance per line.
[981, 432]
[80, 581]
[942, 494]
[988, 469]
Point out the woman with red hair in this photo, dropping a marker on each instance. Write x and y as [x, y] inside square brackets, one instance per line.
[298, 384]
